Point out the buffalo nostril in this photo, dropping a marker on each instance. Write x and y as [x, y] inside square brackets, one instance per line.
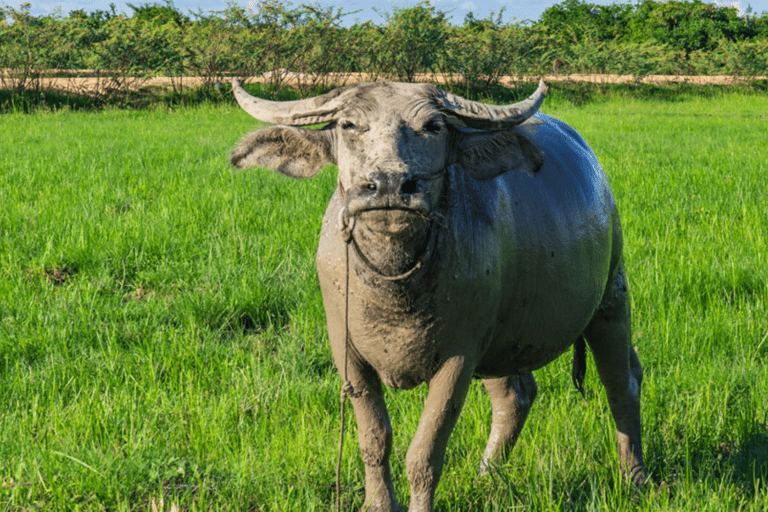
[409, 187]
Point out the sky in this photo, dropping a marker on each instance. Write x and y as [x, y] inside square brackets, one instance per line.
[514, 10]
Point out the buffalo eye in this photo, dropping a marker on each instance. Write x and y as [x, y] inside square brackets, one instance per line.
[433, 126]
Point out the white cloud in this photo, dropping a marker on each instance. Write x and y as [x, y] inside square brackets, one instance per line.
[732, 4]
[468, 6]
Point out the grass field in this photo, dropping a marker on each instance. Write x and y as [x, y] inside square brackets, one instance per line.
[162, 335]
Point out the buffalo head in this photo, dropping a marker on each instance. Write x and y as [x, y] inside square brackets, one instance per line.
[392, 143]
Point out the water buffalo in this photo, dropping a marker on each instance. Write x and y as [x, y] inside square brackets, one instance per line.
[463, 240]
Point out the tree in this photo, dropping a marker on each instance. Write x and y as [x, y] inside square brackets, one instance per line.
[689, 26]
[414, 39]
[483, 50]
[158, 14]
[573, 20]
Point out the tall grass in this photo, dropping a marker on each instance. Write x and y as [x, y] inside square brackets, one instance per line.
[162, 334]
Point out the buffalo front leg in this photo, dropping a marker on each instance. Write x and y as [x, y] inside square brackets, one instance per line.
[609, 337]
[374, 430]
[511, 399]
[426, 453]
[374, 436]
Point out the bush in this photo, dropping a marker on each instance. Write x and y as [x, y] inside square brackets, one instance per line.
[309, 45]
[745, 58]
[414, 40]
[483, 51]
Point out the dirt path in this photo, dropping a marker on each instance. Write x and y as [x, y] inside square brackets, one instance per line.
[88, 85]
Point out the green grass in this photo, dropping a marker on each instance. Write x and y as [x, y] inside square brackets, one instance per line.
[162, 333]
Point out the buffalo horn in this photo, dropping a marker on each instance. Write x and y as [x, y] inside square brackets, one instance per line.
[325, 108]
[321, 109]
[474, 114]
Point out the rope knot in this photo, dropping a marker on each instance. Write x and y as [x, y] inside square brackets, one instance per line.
[346, 226]
[349, 390]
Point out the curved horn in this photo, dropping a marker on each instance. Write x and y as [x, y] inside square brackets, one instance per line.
[321, 109]
[474, 114]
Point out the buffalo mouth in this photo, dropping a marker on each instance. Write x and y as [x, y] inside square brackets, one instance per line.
[401, 222]
[393, 242]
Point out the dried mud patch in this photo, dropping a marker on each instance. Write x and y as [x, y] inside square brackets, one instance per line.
[55, 275]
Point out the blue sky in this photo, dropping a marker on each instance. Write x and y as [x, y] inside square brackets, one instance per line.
[514, 9]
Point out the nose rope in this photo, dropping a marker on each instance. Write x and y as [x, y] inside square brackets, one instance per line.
[385, 277]
[347, 226]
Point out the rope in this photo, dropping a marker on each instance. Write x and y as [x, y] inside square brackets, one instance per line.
[347, 225]
[347, 389]
[384, 277]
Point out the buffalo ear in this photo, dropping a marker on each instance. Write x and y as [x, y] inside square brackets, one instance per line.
[485, 155]
[296, 152]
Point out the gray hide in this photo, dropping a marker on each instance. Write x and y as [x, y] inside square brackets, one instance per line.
[482, 243]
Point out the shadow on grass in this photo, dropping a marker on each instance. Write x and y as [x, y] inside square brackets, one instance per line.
[580, 94]
[147, 97]
[742, 465]
[244, 316]
[749, 459]
[29, 102]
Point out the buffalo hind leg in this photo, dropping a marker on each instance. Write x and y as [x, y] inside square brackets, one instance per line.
[609, 337]
[511, 400]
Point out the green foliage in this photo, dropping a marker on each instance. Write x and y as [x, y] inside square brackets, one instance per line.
[622, 58]
[131, 48]
[30, 45]
[220, 43]
[573, 20]
[300, 43]
[414, 39]
[688, 25]
[506, 49]
[158, 14]
[95, 18]
[308, 46]
[747, 58]
[365, 51]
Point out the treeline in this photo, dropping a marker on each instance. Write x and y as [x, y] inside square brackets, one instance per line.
[311, 45]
